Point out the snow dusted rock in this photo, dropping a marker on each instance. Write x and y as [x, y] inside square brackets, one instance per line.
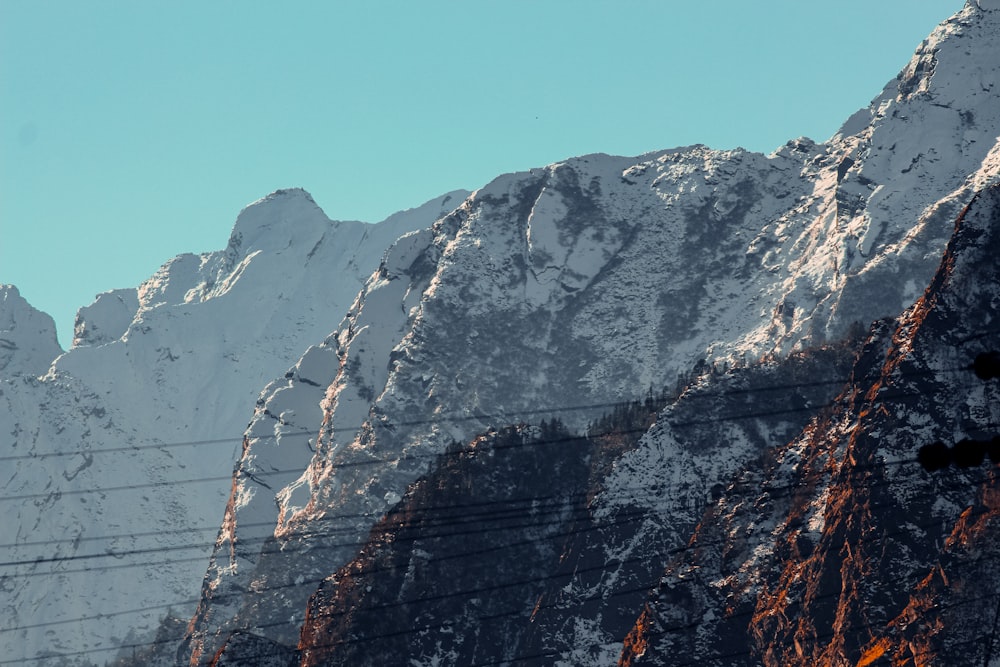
[199, 345]
[838, 548]
[28, 341]
[591, 280]
[575, 285]
[106, 532]
[935, 125]
[107, 319]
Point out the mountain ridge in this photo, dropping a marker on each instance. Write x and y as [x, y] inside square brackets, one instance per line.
[825, 606]
[545, 295]
[550, 274]
[172, 362]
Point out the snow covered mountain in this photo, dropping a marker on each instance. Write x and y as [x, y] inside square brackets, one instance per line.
[616, 409]
[120, 451]
[557, 293]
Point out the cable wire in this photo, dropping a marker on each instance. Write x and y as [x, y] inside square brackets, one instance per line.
[436, 454]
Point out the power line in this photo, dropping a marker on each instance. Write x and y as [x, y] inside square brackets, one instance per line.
[445, 419]
[584, 441]
[521, 610]
[127, 487]
[464, 518]
[461, 555]
[437, 454]
[695, 624]
[383, 636]
[135, 448]
[417, 456]
[506, 514]
[283, 586]
[430, 455]
[216, 527]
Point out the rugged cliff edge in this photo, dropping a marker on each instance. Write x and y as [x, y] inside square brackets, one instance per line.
[843, 549]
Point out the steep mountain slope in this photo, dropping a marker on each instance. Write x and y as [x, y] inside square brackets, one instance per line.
[844, 550]
[504, 552]
[587, 282]
[107, 532]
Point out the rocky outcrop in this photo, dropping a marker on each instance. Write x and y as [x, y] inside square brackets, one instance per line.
[28, 341]
[842, 549]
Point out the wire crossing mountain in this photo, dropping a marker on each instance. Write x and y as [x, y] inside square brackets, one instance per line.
[613, 410]
[849, 552]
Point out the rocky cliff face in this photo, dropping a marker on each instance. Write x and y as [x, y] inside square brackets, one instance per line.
[843, 550]
[558, 292]
[524, 546]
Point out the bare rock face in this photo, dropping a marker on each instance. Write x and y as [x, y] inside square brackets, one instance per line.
[107, 319]
[842, 549]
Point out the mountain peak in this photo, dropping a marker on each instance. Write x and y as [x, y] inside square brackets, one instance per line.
[285, 194]
[271, 222]
[28, 341]
[955, 70]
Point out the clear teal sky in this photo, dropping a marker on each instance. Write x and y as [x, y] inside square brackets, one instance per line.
[134, 131]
